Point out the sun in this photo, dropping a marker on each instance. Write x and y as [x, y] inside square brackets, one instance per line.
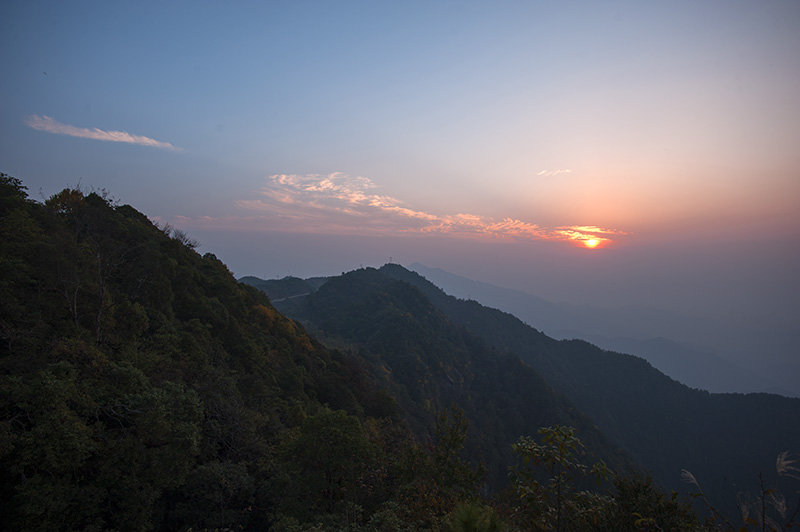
[591, 243]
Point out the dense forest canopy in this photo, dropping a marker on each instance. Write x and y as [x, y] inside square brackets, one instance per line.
[138, 376]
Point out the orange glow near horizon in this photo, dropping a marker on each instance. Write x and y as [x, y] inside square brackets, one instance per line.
[340, 203]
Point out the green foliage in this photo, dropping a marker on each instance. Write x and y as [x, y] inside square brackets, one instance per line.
[551, 492]
[141, 386]
[474, 517]
[388, 519]
[215, 495]
[82, 444]
[428, 363]
[337, 472]
[545, 482]
[450, 471]
[12, 192]
[639, 505]
[329, 467]
[434, 480]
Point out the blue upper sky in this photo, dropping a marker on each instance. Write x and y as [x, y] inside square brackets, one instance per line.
[441, 104]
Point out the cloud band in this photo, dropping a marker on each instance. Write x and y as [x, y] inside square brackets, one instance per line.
[341, 204]
[45, 123]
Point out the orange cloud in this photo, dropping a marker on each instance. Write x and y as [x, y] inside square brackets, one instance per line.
[45, 123]
[589, 236]
[341, 204]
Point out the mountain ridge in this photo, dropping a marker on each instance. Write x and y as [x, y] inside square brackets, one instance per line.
[662, 423]
[696, 367]
[433, 362]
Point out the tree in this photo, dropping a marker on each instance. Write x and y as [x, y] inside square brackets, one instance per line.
[452, 473]
[435, 479]
[639, 505]
[216, 495]
[327, 462]
[475, 517]
[547, 498]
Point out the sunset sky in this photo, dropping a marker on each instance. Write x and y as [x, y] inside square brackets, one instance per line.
[596, 152]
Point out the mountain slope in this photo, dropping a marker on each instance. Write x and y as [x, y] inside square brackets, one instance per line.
[695, 367]
[278, 289]
[141, 386]
[726, 440]
[430, 363]
[691, 366]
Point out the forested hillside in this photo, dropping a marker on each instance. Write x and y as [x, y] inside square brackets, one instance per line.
[142, 387]
[725, 440]
[430, 363]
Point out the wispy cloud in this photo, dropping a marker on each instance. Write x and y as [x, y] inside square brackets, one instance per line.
[45, 123]
[341, 204]
[555, 172]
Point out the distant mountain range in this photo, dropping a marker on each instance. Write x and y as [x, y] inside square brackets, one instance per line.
[726, 440]
[633, 330]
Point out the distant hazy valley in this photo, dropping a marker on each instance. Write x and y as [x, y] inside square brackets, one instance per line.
[637, 331]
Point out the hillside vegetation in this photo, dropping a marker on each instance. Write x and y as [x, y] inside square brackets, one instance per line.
[429, 363]
[725, 440]
[143, 387]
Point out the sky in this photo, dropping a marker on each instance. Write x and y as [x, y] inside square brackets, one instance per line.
[605, 153]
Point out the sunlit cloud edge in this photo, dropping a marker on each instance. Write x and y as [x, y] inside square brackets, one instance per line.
[337, 203]
[49, 125]
[554, 172]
